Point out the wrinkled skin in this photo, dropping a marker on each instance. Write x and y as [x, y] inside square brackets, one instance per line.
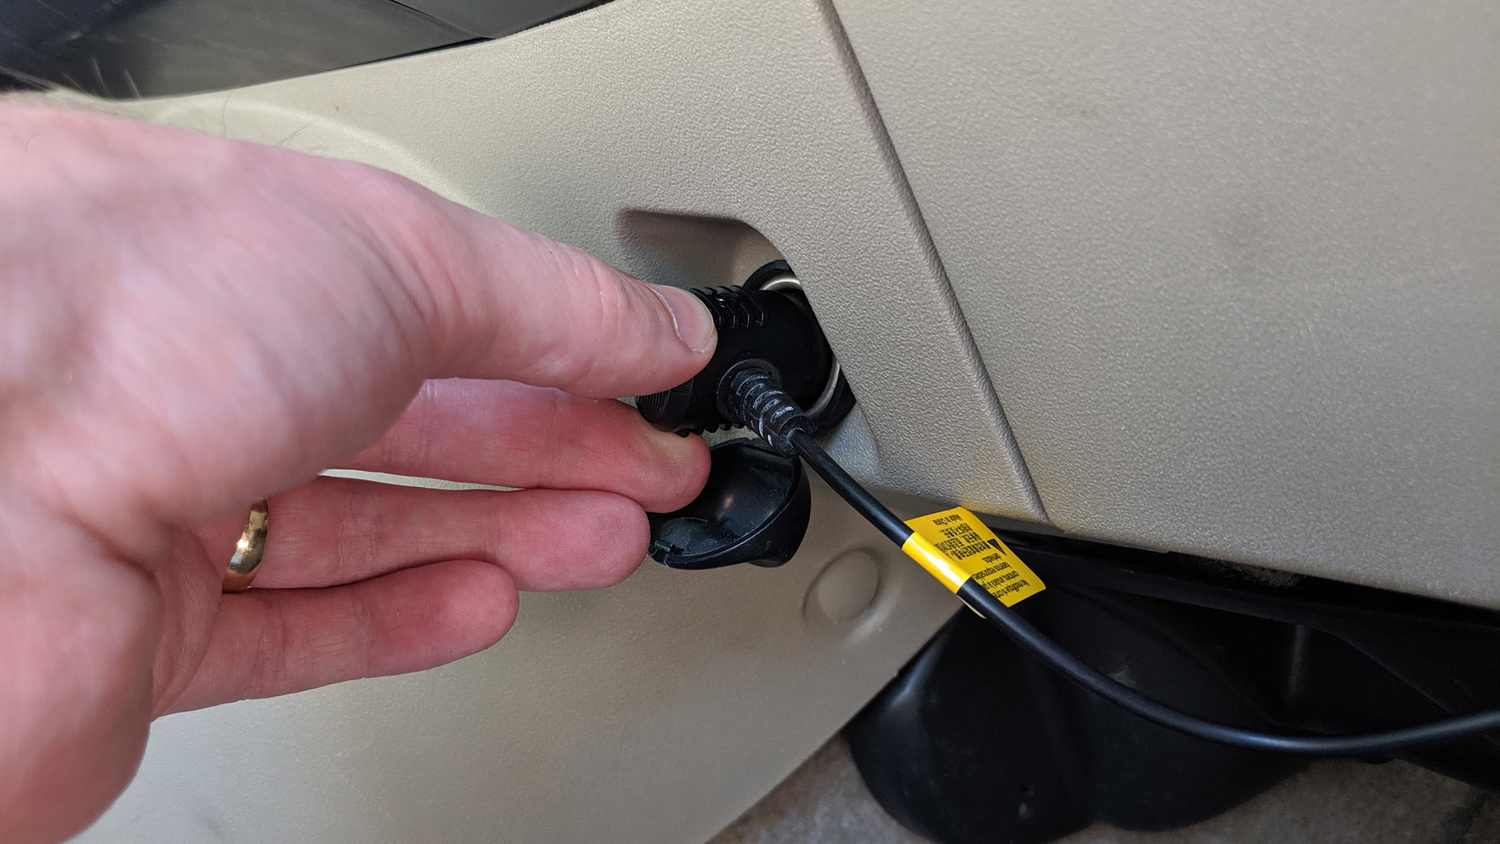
[189, 324]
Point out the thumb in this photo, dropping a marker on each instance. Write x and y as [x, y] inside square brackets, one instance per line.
[515, 305]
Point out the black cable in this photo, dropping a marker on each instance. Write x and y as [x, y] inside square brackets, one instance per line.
[1049, 652]
[1365, 744]
[860, 498]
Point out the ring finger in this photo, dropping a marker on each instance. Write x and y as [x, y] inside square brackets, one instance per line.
[337, 530]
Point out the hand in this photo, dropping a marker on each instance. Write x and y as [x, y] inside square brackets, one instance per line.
[191, 324]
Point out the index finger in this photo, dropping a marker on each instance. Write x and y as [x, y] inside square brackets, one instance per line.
[511, 304]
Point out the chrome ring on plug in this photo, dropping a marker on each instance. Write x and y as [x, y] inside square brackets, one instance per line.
[825, 398]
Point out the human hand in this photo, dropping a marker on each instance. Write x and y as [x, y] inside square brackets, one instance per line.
[191, 324]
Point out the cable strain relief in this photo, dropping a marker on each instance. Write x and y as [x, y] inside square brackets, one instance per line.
[751, 394]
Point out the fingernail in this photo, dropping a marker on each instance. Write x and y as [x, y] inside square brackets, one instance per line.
[694, 324]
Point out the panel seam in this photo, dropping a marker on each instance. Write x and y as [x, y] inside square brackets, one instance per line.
[913, 211]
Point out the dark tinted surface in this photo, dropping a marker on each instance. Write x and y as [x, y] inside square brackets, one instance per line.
[494, 18]
[134, 48]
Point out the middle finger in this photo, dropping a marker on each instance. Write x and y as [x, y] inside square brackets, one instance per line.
[508, 434]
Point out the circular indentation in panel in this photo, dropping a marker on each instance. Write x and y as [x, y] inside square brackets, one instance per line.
[844, 590]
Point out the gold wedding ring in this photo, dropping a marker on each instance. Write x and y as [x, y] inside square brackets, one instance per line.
[249, 550]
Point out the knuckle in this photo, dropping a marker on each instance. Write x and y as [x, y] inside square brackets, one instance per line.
[358, 523]
[268, 668]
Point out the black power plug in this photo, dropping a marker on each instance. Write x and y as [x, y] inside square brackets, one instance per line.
[756, 504]
[767, 319]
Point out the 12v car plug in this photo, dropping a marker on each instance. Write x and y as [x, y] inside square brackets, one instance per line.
[766, 319]
[755, 506]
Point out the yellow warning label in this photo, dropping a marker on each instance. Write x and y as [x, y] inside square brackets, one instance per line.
[955, 546]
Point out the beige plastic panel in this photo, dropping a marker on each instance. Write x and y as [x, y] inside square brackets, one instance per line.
[681, 140]
[1234, 268]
